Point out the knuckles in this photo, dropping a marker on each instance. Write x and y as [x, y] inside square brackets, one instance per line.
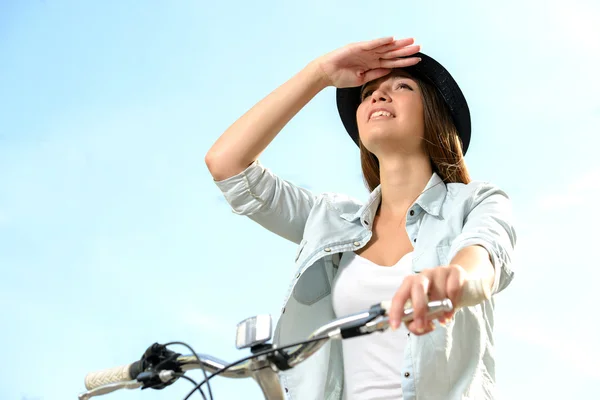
[445, 281]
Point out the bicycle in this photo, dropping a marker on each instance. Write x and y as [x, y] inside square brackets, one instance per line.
[160, 367]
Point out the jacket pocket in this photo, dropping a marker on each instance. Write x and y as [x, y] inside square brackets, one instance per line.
[313, 285]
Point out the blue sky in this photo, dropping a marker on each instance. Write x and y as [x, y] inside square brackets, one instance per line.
[113, 235]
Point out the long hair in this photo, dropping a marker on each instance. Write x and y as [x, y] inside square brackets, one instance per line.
[441, 140]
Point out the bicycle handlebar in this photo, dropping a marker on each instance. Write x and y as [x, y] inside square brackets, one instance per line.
[105, 381]
[110, 375]
[124, 373]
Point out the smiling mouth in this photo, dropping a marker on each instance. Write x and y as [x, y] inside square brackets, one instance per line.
[381, 115]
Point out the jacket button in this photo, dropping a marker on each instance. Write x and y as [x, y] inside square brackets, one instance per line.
[327, 249]
[286, 390]
[406, 374]
[357, 244]
[412, 212]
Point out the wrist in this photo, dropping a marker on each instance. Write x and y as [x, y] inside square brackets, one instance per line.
[483, 271]
[317, 74]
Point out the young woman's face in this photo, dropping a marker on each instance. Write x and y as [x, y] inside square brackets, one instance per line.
[390, 115]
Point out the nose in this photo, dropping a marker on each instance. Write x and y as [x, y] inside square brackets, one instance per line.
[379, 95]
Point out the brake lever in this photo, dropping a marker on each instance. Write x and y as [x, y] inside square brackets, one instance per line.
[379, 324]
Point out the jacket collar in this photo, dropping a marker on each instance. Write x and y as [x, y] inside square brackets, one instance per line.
[430, 201]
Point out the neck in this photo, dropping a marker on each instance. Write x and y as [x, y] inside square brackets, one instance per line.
[403, 179]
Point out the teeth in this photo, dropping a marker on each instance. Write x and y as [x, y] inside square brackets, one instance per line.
[381, 114]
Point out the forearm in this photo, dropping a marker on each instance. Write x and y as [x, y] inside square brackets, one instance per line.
[475, 260]
[246, 139]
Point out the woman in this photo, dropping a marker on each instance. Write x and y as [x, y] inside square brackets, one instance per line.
[424, 229]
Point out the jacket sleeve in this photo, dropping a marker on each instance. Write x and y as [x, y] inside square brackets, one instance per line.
[274, 203]
[489, 223]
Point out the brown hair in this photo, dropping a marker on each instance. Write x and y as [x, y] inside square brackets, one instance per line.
[442, 142]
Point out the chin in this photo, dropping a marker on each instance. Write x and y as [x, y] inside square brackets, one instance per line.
[379, 138]
[384, 137]
[383, 142]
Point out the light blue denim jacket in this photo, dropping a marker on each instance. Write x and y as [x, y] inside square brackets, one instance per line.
[452, 362]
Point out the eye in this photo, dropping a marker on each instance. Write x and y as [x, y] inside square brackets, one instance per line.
[402, 85]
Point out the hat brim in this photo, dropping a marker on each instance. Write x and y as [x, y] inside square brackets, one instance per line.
[348, 99]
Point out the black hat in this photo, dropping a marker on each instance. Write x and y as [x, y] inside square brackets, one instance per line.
[348, 99]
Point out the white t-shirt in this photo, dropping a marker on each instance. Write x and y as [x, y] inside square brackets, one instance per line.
[372, 363]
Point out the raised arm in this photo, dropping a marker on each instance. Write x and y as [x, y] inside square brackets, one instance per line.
[232, 160]
[351, 65]
[242, 143]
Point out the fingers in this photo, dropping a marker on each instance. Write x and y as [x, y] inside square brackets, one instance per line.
[373, 44]
[446, 317]
[384, 54]
[402, 52]
[399, 57]
[399, 62]
[395, 45]
[419, 299]
[432, 284]
[438, 289]
[396, 311]
[413, 288]
[412, 327]
[386, 66]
